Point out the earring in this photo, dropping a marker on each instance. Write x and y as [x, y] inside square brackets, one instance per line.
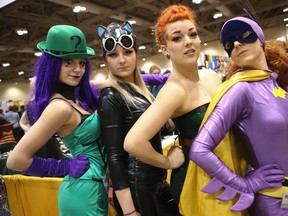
[168, 56]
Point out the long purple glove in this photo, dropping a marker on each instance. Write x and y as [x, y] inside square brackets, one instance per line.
[42, 167]
[155, 79]
[228, 112]
[267, 176]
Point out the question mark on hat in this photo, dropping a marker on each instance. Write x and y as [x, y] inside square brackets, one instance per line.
[78, 38]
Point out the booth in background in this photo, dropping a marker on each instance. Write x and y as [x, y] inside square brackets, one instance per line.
[35, 196]
[31, 196]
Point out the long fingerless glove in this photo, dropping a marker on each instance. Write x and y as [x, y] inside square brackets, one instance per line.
[267, 176]
[224, 116]
[42, 167]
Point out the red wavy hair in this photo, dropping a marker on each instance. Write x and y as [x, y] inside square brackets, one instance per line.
[277, 59]
[171, 14]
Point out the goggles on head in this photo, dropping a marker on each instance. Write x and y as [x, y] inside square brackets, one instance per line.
[114, 34]
[125, 40]
[246, 37]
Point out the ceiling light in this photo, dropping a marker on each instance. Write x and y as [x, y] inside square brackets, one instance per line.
[21, 73]
[281, 38]
[21, 31]
[196, 1]
[132, 22]
[143, 59]
[217, 15]
[38, 54]
[0, 80]
[3, 3]
[102, 65]
[6, 64]
[205, 44]
[285, 10]
[286, 19]
[78, 7]
[142, 47]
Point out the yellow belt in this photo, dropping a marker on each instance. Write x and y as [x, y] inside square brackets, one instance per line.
[276, 192]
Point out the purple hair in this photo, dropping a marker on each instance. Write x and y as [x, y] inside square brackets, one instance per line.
[47, 71]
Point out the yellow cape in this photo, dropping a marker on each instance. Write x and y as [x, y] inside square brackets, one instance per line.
[193, 202]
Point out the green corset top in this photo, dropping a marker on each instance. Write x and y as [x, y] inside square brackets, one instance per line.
[86, 140]
[189, 123]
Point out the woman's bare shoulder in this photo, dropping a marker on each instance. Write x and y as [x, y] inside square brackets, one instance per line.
[59, 105]
[209, 74]
[173, 88]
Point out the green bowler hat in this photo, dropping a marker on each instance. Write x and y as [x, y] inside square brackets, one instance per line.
[66, 41]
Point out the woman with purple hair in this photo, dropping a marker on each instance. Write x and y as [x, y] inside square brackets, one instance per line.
[64, 103]
[251, 109]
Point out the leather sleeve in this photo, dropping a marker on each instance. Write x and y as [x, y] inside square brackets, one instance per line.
[112, 117]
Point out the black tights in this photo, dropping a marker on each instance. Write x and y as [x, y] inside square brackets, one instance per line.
[151, 200]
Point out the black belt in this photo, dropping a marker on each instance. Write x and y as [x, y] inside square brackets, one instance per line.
[97, 180]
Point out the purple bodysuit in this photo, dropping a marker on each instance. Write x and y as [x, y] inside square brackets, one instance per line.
[261, 118]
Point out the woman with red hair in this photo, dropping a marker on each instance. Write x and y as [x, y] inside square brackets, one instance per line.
[184, 97]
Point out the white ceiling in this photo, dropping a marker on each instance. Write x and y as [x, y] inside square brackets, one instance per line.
[39, 15]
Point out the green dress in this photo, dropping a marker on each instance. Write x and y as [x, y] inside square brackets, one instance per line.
[85, 195]
[188, 125]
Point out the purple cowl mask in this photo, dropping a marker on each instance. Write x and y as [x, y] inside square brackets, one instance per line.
[240, 29]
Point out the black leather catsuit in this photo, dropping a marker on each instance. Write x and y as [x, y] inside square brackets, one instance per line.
[150, 192]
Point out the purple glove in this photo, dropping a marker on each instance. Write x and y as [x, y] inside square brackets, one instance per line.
[155, 79]
[231, 110]
[42, 167]
[267, 176]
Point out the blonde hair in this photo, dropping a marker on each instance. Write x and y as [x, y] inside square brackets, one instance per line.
[138, 86]
[154, 67]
